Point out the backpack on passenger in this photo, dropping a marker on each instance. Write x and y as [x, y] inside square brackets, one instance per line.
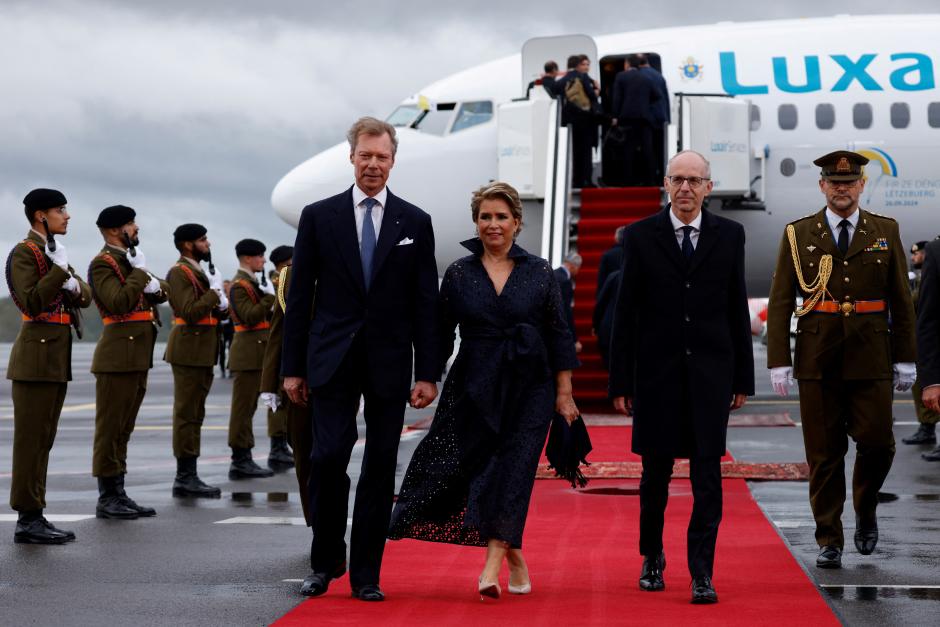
[575, 94]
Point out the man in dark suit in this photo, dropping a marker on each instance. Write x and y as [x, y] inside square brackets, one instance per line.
[547, 80]
[635, 97]
[581, 115]
[928, 334]
[611, 260]
[680, 358]
[369, 256]
[565, 275]
[660, 112]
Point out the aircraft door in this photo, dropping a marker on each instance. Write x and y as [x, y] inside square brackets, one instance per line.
[538, 50]
[719, 128]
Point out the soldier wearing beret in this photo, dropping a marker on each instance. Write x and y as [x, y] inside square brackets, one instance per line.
[272, 394]
[48, 293]
[279, 426]
[926, 431]
[198, 303]
[126, 295]
[854, 342]
[252, 306]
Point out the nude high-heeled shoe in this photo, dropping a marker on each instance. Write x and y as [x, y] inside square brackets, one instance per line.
[489, 589]
[525, 588]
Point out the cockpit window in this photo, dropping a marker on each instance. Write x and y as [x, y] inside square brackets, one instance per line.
[436, 121]
[405, 115]
[473, 113]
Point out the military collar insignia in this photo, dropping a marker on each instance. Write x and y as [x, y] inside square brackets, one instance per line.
[810, 248]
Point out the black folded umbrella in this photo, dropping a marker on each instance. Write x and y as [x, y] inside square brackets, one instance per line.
[567, 448]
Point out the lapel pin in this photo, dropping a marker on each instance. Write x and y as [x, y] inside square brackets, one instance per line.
[811, 248]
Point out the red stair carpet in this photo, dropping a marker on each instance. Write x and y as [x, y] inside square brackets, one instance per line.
[602, 211]
[581, 547]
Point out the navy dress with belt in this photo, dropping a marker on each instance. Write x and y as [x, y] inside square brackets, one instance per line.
[471, 478]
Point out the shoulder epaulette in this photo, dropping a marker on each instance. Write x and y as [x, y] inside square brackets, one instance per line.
[806, 217]
[878, 215]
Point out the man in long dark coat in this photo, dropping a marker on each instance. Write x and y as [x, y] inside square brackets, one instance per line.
[681, 358]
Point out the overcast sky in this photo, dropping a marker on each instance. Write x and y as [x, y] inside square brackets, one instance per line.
[192, 111]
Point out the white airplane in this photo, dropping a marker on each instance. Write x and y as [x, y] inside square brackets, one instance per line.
[807, 87]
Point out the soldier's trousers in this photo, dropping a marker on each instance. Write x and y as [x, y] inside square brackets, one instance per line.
[36, 410]
[278, 421]
[118, 396]
[832, 410]
[191, 385]
[246, 386]
[924, 415]
[301, 439]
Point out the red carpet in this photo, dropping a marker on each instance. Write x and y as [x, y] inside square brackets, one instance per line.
[581, 547]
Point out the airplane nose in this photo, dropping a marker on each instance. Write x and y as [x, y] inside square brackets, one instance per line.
[321, 176]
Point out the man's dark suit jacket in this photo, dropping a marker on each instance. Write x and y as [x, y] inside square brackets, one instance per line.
[610, 262]
[635, 95]
[661, 114]
[928, 318]
[567, 296]
[681, 342]
[398, 312]
[571, 114]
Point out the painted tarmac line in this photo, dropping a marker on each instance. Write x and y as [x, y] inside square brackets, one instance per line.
[51, 517]
[268, 520]
[876, 585]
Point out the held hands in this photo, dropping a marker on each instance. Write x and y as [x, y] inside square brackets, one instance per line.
[623, 405]
[781, 378]
[564, 405]
[59, 256]
[423, 394]
[270, 400]
[904, 376]
[138, 260]
[296, 388]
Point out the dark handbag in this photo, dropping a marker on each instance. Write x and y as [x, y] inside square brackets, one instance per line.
[567, 449]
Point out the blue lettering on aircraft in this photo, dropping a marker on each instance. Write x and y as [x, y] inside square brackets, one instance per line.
[917, 74]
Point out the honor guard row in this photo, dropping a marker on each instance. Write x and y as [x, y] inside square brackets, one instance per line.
[49, 293]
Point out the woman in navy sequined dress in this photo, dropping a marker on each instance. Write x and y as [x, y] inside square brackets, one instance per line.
[471, 478]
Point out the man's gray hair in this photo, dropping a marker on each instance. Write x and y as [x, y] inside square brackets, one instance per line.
[574, 259]
[371, 126]
[708, 166]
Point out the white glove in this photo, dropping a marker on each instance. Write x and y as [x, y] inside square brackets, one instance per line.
[215, 280]
[59, 257]
[71, 284]
[267, 287]
[781, 378]
[905, 374]
[153, 287]
[270, 400]
[138, 260]
[223, 299]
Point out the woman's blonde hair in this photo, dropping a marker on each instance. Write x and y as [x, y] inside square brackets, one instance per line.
[498, 191]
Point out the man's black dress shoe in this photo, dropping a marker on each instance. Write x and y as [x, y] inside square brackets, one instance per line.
[316, 584]
[866, 535]
[651, 576]
[829, 557]
[925, 434]
[932, 456]
[703, 591]
[31, 530]
[368, 592]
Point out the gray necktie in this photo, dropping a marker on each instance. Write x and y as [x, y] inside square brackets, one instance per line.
[367, 247]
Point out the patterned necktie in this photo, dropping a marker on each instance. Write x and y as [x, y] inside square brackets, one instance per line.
[367, 246]
[687, 248]
[844, 236]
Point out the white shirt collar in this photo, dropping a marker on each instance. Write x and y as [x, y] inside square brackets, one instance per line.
[678, 224]
[834, 219]
[359, 196]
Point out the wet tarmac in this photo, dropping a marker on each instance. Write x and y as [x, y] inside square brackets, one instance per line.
[236, 560]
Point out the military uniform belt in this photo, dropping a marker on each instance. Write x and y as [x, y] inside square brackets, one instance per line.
[136, 316]
[848, 308]
[55, 317]
[208, 321]
[241, 328]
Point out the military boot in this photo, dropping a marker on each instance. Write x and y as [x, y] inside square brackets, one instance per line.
[925, 434]
[244, 467]
[129, 502]
[280, 457]
[110, 504]
[188, 483]
[33, 528]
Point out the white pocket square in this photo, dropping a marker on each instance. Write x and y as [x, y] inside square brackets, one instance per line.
[405, 242]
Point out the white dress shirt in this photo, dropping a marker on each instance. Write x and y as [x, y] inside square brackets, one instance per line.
[377, 211]
[834, 219]
[678, 224]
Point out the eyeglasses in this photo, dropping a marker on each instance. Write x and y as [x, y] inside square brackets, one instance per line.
[694, 181]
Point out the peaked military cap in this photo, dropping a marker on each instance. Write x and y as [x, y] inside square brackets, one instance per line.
[841, 165]
[114, 217]
[188, 232]
[42, 199]
[249, 247]
[281, 254]
[919, 246]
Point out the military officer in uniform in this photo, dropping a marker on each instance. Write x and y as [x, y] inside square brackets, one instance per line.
[279, 431]
[198, 303]
[272, 394]
[926, 431]
[48, 293]
[854, 342]
[252, 305]
[126, 295]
